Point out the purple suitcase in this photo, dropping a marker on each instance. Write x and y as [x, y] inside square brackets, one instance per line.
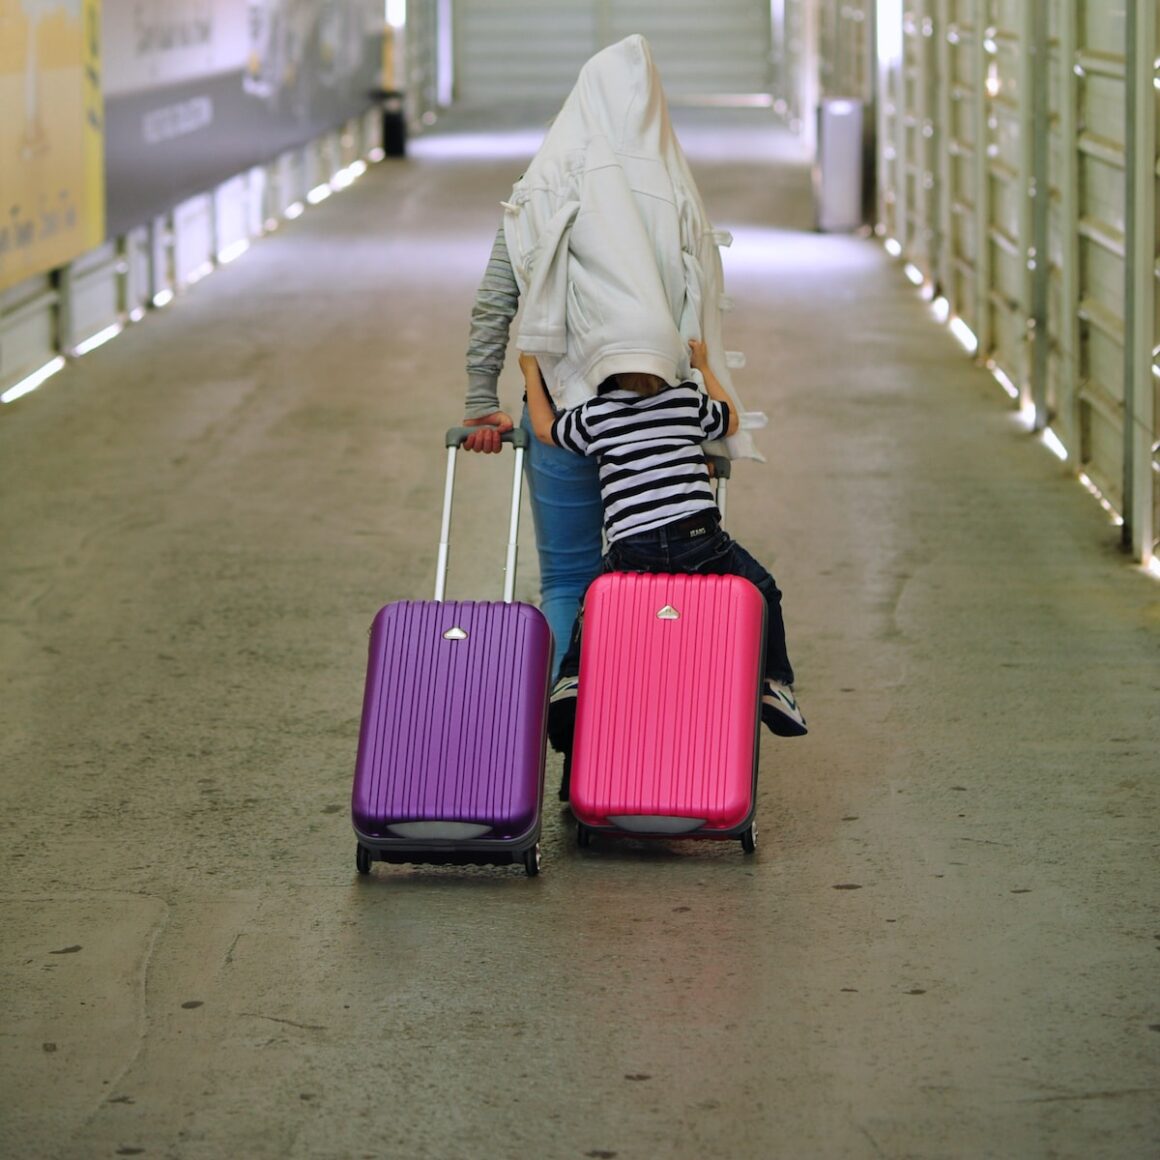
[450, 765]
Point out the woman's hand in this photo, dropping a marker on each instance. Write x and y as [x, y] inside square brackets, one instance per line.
[488, 438]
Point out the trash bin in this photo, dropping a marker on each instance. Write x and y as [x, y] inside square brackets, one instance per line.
[837, 171]
[394, 128]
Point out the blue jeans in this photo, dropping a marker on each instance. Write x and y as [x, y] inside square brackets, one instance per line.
[700, 545]
[564, 490]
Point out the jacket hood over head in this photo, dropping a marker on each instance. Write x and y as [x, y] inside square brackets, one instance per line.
[618, 96]
[615, 259]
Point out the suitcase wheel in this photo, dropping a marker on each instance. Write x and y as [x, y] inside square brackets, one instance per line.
[749, 839]
[362, 859]
[532, 861]
[583, 835]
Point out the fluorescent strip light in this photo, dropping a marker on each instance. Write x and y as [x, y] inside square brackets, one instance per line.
[1054, 444]
[347, 177]
[965, 335]
[1000, 376]
[33, 381]
[913, 274]
[236, 250]
[163, 298]
[296, 210]
[98, 339]
[318, 193]
[1102, 499]
[892, 247]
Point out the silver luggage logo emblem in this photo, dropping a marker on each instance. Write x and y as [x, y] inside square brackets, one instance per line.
[455, 633]
[668, 613]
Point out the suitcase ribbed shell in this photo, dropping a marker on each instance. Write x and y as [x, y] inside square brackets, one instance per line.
[667, 714]
[453, 718]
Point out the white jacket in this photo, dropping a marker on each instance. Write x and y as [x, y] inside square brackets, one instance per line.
[614, 256]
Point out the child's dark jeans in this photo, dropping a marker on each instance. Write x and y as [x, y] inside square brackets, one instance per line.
[695, 544]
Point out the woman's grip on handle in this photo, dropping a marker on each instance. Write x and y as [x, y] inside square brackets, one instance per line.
[486, 433]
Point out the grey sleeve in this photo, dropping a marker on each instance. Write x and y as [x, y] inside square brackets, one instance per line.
[496, 303]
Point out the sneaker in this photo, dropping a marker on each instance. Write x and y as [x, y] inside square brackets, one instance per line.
[563, 689]
[562, 713]
[780, 711]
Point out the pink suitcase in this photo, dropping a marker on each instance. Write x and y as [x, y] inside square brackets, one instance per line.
[668, 713]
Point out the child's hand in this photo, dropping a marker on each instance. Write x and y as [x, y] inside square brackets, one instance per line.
[698, 354]
[533, 377]
[539, 406]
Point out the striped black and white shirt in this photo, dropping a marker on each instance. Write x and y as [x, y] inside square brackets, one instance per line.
[652, 467]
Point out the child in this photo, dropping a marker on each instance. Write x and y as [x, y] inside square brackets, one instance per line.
[659, 511]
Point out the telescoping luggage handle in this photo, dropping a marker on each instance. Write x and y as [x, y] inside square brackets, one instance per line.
[721, 470]
[518, 438]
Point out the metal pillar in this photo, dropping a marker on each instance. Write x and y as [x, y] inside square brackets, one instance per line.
[1140, 283]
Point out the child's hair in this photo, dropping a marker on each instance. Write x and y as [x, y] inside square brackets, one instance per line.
[639, 382]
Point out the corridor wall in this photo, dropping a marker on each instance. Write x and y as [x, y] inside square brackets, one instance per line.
[145, 147]
[1015, 155]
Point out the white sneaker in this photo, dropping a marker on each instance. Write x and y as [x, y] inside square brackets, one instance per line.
[779, 710]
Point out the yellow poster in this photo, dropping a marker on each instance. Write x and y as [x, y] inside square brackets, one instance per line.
[52, 180]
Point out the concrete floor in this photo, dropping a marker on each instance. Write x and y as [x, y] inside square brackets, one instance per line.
[947, 944]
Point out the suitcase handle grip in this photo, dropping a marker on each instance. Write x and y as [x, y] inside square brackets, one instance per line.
[517, 436]
[721, 465]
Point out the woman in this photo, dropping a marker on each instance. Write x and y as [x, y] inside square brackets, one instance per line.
[604, 239]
